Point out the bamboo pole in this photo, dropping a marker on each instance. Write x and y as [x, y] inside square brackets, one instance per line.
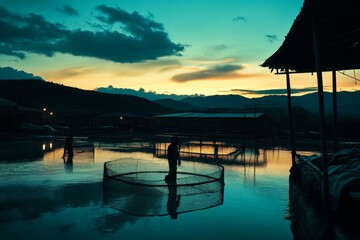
[288, 88]
[318, 64]
[335, 113]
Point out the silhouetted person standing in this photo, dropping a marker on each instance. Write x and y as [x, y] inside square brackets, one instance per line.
[216, 151]
[68, 148]
[173, 157]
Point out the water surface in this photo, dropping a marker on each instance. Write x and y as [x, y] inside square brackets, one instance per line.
[44, 197]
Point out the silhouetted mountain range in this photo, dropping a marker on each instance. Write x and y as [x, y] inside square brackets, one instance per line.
[178, 105]
[39, 94]
[218, 101]
[348, 102]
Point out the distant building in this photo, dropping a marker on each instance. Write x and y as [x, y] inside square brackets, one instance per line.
[8, 111]
[12, 115]
[232, 123]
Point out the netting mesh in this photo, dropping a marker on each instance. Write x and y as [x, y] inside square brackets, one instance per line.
[152, 172]
[137, 187]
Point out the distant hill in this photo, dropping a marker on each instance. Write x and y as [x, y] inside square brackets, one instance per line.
[178, 105]
[39, 94]
[218, 101]
[348, 102]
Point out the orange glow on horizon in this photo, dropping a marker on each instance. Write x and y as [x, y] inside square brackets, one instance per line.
[253, 78]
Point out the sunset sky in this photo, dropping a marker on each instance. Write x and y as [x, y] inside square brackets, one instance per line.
[181, 47]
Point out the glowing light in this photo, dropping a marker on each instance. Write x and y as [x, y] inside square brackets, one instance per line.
[51, 113]
[121, 118]
[50, 145]
[44, 109]
[43, 147]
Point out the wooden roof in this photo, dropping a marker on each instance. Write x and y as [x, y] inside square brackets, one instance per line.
[338, 35]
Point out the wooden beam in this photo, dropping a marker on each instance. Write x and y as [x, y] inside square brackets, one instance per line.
[288, 87]
[335, 114]
[291, 72]
[318, 63]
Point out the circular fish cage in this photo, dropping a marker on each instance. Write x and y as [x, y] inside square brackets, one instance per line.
[137, 187]
[152, 172]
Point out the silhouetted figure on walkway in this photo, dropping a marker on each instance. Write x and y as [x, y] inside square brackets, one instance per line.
[216, 151]
[68, 148]
[173, 202]
[173, 157]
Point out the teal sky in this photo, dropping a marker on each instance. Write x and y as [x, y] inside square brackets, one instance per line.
[182, 47]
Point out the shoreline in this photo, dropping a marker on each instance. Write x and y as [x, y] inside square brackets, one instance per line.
[301, 143]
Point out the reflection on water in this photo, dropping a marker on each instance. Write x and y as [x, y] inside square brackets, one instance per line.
[39, 198]
[161, 200]
[68, 163]
[42, 150]
[220, 151]
[173, 201]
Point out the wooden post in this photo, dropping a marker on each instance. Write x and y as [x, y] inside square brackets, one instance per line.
[325, 185]
[335, 117]
[288, 87]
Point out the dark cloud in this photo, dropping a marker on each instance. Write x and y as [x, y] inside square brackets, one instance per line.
[280, 91]
[143, 39]
[221, 47]
[68, 10]
[30, 33]
[5, 50]
[132, 22]
[223, 71]
[272, 38]
[240, 18]
[8, 73]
